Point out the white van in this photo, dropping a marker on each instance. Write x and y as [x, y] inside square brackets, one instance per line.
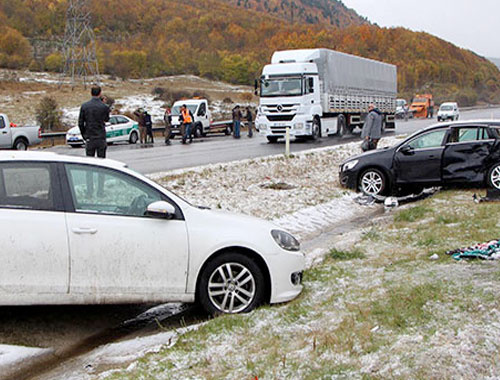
[201, 113]
[448, 111]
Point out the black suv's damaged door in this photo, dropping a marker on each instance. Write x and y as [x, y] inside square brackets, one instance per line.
[467, 153]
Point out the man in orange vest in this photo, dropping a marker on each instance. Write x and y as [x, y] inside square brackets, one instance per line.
[186, 118]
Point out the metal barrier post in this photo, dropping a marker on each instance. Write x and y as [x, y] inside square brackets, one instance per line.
[287, 142]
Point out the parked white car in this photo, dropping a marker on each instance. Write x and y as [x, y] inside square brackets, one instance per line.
[120, 128]
[78, 230]
[201, 113]
[448, 111]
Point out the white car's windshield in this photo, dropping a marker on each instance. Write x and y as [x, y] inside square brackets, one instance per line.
[446, 108]
[281, 87]
[176, 110]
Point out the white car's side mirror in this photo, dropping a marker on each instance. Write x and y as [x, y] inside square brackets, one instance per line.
[160, 209]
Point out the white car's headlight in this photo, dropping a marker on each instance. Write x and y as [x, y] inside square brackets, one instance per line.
[349, 165]
[285, 240]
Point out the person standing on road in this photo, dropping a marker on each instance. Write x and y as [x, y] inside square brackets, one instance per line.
[236, 121]
[139, 117]
[372, 129]
[149, 127]
[249, 118]
[167, 119]
[92, 123]
[186, 118]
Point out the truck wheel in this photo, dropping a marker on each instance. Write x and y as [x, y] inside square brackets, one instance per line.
[272, 139]
[133, 138]
[21, 144]
[316, 129]
[197, 131]
[228, 130]
[231, 283]
[342, 126]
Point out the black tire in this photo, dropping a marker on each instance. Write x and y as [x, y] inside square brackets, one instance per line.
[372, 182]
[272, 139]
[76, 146]
[219, 301]
[133, 138]
[342, 126]
[316, 129]
[198, 131]
[228, 130]
[21, 144]
[493, 178]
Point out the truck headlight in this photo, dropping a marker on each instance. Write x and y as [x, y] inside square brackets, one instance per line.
[298, 126]
[349, 165]
[285, 240]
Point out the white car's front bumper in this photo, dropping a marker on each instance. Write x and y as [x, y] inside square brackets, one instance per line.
[286, 271]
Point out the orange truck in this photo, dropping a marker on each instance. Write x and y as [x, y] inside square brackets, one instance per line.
[422, 106]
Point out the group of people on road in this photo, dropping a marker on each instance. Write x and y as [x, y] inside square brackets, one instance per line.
[145, 122]
[237, 117]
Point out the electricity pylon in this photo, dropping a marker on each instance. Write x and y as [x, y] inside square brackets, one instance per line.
[79, 45]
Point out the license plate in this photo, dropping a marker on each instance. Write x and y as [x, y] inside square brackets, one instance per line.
[280, 124]
[73, 139]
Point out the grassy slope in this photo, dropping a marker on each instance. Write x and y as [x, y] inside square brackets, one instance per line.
[374, 310]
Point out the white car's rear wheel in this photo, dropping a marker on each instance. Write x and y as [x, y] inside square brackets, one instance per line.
[231, 283]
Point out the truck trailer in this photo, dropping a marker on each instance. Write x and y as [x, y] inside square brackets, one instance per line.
[321, 92]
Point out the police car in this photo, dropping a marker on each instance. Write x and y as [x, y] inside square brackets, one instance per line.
[120, 128]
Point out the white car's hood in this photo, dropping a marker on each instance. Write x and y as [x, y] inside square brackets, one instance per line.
[74, 131]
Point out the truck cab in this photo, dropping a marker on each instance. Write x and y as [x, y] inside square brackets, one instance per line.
[289, 96]
[312, 93]
[200, 111]
[422, 106]
[17, 137]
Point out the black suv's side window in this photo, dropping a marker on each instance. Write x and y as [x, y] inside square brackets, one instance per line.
[26, 186]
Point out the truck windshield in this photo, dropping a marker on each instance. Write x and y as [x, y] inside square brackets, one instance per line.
[281, 87]
[420, 100]
[176, 110]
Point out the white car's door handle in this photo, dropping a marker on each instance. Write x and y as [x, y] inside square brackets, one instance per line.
[83, 231]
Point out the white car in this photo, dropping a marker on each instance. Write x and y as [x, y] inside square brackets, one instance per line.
[80, 230]
[448, 111]
[120, 128]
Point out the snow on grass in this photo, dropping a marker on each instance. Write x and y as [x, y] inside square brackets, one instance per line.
[10, 356]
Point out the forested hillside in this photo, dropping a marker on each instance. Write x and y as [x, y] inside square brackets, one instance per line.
[220, 40]
[317, 12]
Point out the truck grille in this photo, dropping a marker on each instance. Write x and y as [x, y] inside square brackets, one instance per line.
[280, 117]
[279, 108]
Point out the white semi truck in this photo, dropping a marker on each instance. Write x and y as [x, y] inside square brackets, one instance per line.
[321, 92]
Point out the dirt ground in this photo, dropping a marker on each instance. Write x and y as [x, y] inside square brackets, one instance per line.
[21, 91]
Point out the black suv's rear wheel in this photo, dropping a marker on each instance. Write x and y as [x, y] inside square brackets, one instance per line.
[494, 177]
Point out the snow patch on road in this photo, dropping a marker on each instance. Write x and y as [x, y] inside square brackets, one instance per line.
[10, 356]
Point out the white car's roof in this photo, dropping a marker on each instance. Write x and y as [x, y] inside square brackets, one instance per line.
[10, 155]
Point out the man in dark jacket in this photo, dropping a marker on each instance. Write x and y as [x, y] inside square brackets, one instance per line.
[249, 117]
[236, 121]
[372, 129]
[92, 123]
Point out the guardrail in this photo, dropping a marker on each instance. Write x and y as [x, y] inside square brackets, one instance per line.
[56, 138]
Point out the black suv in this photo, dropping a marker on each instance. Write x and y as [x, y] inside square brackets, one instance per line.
[453, 153]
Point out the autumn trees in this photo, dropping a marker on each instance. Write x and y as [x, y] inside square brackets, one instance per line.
[231, 41]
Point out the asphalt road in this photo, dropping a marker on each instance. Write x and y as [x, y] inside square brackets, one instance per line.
[220, 148]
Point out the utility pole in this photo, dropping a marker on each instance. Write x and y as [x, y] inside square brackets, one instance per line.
[79, 45]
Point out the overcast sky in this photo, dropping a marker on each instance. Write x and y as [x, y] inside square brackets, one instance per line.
[471, 24]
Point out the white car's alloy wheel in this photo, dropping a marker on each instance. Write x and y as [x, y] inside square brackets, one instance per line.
[231, 288]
